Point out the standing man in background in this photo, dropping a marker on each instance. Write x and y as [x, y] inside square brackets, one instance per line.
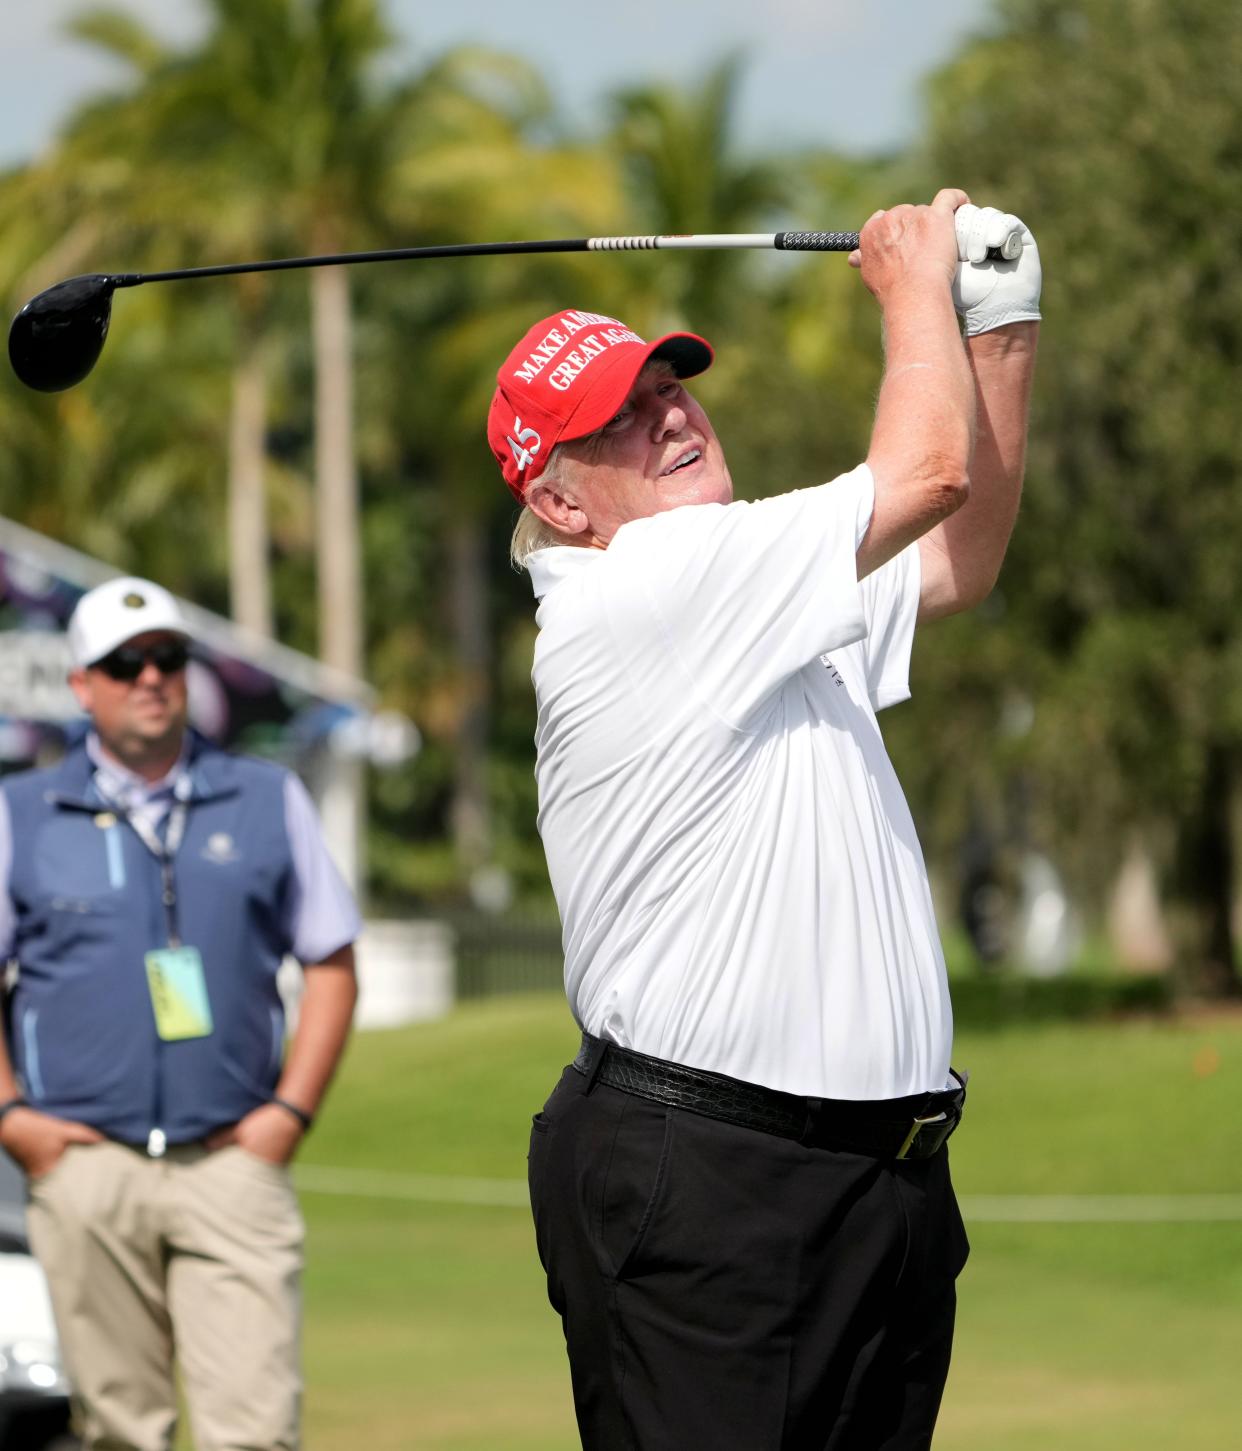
[741, 1191]
[150, 885]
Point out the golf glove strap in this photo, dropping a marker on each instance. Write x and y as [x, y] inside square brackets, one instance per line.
[989, 294]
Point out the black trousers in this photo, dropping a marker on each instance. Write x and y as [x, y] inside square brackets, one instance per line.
[723, 1289]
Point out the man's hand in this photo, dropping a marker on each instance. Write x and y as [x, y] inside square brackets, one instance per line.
[268, 1132]
[36, 1141]
[271, 1132]
[990, 294]
[909, 244]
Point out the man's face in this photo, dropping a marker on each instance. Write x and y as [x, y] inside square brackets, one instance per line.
[137, 720]
[658, 453]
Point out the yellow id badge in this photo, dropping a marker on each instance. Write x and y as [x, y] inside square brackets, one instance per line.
[178, 993]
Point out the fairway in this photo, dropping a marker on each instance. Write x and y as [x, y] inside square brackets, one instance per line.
[427, 1326]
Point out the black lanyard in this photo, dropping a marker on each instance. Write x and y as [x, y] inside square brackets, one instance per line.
[164, 851]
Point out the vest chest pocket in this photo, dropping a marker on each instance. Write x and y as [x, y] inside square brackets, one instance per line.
[76, 927]
[79, 857]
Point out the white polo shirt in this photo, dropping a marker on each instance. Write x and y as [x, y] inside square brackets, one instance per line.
[738, 876]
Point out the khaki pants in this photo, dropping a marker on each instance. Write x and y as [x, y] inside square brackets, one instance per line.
[196, 1253]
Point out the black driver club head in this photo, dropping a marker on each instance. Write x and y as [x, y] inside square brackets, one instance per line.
[57, 337]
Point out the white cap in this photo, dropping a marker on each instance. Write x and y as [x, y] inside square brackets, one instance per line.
[114, 612]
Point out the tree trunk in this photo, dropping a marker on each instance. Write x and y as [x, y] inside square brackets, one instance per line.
[470, 815]
[1207, 860]
[250, 587]
[336, 483]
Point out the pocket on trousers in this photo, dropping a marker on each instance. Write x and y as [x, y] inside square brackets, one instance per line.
[271, 1166]
[254, 1167]
[40, 1181]
[959, 1242]
[250, 1195]
[542, 1125]
[950, 1229]
[635, 1185]
[568, 1091]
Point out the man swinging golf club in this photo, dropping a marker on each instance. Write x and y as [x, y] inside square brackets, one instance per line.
[740, 1186]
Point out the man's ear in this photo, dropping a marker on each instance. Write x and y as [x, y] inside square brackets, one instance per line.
[81, 687]
[559, 511]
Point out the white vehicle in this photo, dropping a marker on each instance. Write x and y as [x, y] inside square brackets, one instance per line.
[34, 1394]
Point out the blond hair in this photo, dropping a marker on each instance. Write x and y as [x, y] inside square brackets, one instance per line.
[531, 533]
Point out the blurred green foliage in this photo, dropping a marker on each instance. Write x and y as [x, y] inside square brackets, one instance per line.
[1094, 701]
[1115, 126]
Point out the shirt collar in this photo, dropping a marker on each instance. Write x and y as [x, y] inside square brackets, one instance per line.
[120, 783]
[550, 567]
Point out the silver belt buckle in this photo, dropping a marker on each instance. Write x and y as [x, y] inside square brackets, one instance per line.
[916, 1128]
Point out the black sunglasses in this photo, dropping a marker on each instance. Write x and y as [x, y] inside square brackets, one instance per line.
[127, 662]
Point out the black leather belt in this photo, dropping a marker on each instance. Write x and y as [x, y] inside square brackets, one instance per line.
[891, 1128]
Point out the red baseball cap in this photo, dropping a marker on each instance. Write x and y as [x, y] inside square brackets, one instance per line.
[567, 377]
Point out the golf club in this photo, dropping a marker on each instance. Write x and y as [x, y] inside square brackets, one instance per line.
[56, 338]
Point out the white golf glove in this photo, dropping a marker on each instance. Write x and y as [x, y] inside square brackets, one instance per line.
[990, 294]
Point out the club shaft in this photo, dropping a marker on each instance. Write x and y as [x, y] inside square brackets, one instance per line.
[779, 241]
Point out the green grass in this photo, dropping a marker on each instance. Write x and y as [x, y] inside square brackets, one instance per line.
[427, 1327]
[1114, 1337]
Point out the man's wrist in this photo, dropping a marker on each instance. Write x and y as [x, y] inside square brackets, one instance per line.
[295, 1111]
[917, 289]
[987, 321]
[1015, 339]
[9, 1104]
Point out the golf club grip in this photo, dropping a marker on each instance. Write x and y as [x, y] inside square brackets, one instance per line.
[842, 242]
[816, 241]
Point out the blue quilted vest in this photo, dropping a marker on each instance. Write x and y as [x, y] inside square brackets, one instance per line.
[87, 897]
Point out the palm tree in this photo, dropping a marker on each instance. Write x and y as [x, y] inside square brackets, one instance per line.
[676, 146]
[168, 189]
[486, 149]
[106, 466]
[275, 133]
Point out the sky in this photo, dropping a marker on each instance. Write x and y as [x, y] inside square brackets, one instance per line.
[841, 75]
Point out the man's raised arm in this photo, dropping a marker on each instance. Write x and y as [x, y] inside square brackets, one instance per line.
[924, 427]
[999, 303]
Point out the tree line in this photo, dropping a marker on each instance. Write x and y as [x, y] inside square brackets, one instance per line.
[306, 452]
